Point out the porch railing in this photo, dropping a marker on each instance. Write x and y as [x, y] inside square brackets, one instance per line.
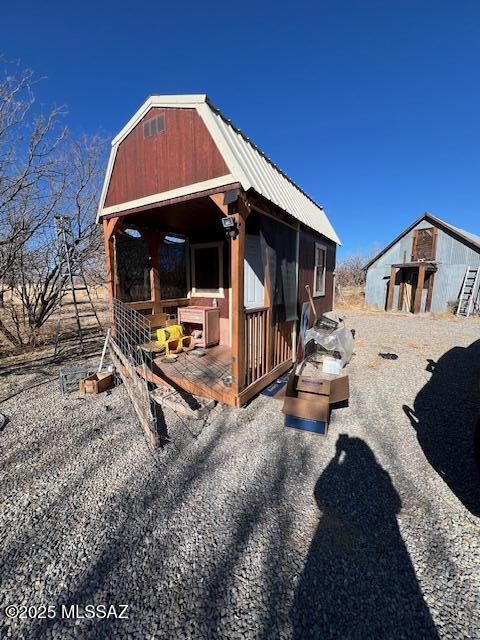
[266, 346]
[147, 307]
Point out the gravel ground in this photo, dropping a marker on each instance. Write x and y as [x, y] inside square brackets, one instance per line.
[242, 529]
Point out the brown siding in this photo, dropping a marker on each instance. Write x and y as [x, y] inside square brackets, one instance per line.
[181, 155]
[305, 272]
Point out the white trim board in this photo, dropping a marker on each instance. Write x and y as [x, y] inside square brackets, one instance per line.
[167, 195]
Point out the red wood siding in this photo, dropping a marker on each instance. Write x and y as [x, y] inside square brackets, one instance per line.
[305, 272]
[183, 154]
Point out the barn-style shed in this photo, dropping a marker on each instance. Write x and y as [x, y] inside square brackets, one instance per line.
[200, 224]
[429, 265]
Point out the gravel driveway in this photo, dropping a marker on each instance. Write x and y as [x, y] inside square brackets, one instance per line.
[241, 529]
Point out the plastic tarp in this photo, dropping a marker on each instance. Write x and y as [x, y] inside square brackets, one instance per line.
[338, 342]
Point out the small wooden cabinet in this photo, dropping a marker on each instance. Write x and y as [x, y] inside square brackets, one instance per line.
[207, 319]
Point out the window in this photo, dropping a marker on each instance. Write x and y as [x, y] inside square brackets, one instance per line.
[133, 267]
[172, 265]
[424, 244]
[207, 270]
[319, 269]
[153, 126]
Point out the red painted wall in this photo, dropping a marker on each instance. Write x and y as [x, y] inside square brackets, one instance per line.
[305, 274]
[183, 154]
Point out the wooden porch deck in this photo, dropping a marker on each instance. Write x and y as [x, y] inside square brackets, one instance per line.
[201, 376]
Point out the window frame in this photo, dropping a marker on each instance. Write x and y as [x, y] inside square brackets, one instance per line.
[206, 293]
[318, 293]
[187, 266]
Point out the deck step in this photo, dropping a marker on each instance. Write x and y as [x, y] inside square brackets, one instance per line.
[194, 407]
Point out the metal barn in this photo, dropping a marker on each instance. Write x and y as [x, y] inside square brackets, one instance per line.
[429, 265]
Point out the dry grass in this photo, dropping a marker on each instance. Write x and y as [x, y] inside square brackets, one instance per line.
[350, 298]
[46, 336]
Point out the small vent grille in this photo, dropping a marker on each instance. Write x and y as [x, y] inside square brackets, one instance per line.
[153, 126]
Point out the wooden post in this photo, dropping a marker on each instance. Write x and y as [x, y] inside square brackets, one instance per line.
[401, 294]
[109, 227]
[154, 240]
[428, 301]
[434, 244]
[391, 288]
[414, 245]
[237, 253]
[419, 290]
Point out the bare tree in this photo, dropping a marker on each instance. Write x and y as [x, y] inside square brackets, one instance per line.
[31, 179]
[39, 273]
[44, 172]
[350, 271]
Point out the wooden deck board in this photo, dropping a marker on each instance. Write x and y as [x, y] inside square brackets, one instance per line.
[201, 376]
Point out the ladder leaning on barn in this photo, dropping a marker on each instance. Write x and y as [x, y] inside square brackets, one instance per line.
[468, 301]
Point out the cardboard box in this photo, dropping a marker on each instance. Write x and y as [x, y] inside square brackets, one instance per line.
[317, 409]
[337, 388]
[96, 383]
[314, 426]
[307, 414]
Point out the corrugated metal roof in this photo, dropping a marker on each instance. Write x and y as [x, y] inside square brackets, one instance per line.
[247, 164]
[268, 180]
[471, 236]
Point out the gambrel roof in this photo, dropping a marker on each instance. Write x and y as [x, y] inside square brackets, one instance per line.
[247, 165]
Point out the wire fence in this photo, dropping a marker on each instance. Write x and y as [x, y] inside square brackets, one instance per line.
[131, 330]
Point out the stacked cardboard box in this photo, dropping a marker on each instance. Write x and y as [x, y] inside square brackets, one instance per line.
[308, 399]
[96, 383]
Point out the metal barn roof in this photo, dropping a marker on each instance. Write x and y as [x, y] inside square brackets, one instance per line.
[247, 164]
[464, 236]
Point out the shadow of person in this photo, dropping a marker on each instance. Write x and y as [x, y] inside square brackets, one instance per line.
[445, 417]
[358, 580]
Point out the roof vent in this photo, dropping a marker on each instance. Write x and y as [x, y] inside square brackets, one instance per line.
[153, 126]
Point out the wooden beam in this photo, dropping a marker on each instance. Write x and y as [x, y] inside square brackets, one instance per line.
[391, 289]
[428, 301]
[414, 245]
[165, 203]
[237, 253]
[419, 289]
[109, 228]
[219, 200]
[154, 241]
[434, 243]
[401, 295]
[126, 372]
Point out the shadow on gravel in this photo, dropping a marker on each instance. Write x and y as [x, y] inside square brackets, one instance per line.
[358, 580]
[445, 417]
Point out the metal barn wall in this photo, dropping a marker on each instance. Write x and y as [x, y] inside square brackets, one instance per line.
[452, 257]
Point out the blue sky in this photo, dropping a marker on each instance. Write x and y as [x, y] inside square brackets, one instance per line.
[373, 107]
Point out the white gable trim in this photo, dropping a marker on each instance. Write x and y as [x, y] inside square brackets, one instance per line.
[247, 165]
[158, 101]
[167, 195]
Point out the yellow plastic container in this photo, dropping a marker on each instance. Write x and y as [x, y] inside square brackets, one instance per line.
[175, 332]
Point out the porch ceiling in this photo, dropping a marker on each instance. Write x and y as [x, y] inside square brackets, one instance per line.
[193, 217]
